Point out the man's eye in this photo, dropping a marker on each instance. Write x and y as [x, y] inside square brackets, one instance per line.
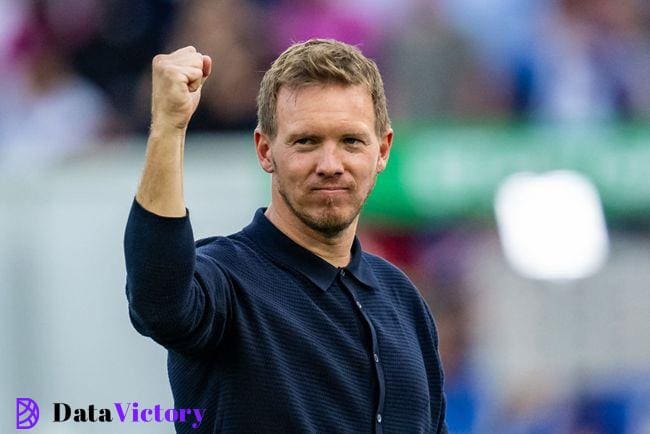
[351, 141]
[304, 141]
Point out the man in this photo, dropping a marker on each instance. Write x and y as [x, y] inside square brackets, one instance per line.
[288, 325]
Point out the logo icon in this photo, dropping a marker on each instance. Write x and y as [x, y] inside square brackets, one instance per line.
[26, 413]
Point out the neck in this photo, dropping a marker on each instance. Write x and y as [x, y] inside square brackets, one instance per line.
[333, 249]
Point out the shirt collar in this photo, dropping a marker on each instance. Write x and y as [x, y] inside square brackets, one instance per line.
[315, 268]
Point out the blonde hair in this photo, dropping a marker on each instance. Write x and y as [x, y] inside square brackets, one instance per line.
[320, 61]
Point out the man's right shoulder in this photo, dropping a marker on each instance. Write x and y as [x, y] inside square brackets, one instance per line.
[236, 247]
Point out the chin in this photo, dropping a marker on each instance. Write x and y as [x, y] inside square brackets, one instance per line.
[327, 215]
[327, 219]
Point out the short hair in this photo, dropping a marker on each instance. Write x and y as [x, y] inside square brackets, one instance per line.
[320, 61]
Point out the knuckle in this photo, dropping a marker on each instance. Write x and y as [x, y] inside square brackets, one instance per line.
[158, 60]
[169, 73]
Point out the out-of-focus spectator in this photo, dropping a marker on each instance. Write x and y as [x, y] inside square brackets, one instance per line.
[11, 12]
[568, 60]
[590, 61]
[234, 34]
[433, 73]
[127, 36]
[295, 20]
[593, 411]
[47, 111]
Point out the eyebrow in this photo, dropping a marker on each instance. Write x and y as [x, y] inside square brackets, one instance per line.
[293, 137]
[361, 135]
[304, 135]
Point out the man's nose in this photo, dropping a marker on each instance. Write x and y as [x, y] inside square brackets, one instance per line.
[330, 162]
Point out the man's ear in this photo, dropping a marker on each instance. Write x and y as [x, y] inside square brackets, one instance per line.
[384, 150]
[263, 149]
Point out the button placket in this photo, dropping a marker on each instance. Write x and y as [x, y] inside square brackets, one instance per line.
[379, 372]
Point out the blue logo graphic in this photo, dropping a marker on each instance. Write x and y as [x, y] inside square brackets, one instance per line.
[26, 413]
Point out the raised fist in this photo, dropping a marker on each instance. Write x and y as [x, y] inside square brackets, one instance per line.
[176, 86]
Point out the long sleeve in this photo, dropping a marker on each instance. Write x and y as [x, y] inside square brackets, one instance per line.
[175, 297]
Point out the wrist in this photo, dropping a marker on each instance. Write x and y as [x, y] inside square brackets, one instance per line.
[161, 127]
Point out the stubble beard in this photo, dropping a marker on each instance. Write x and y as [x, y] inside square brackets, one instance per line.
[328, 224]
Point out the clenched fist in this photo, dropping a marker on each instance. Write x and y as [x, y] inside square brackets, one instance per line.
[176, 87]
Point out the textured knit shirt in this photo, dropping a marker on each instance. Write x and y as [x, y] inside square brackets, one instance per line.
[268, 337]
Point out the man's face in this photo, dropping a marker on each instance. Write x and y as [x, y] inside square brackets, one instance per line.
[326, 154]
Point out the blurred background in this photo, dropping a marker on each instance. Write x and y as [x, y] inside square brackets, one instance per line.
[517, 197]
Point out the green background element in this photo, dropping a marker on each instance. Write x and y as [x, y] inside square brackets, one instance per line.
[439, 173]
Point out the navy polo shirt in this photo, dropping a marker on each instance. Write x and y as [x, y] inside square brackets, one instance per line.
[268, 337]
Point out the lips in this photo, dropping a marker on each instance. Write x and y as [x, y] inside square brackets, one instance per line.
[333, 187]
[330, 191]
[330, 188]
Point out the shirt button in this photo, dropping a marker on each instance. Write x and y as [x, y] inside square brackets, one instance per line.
[342, 273]
[378, 418]
[358, 304]
[376, 357]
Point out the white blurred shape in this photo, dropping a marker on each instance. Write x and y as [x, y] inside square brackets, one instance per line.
[551, 225]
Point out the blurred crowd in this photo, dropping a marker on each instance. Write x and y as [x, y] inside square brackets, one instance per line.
[75, 72]
[440, 262]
